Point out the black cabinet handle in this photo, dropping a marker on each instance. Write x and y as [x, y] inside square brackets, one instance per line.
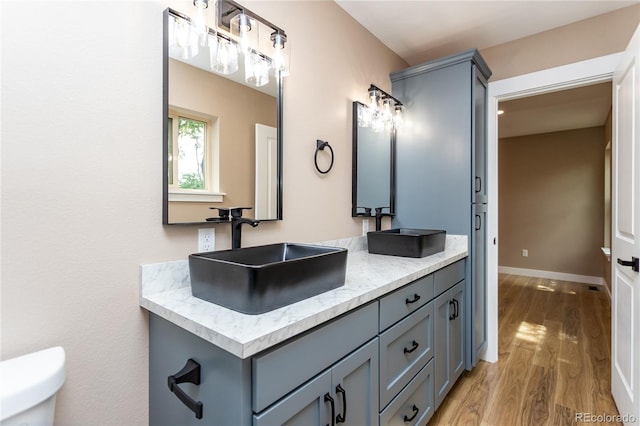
[478, 222]
[327, 398]
[478, 184]
[190, 373]
[416, 410]
[452, 306]
[634, 263]
[341, 418]
[457, 308]
[416, 297]
[414, 346]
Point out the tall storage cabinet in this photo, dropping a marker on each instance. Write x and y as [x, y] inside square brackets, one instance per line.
[441, 167]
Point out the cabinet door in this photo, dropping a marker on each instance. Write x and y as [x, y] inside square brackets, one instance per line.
[308, 405]
[449, 340]
[441, 359]
[456, 334]
[355, 387]
[479, 135]
[478, 299]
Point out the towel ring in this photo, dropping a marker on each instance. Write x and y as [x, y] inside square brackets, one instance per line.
[320, 145]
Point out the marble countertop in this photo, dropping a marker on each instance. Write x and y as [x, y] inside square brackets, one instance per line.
[165, 290]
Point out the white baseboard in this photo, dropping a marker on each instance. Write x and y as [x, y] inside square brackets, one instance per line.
[587, 279]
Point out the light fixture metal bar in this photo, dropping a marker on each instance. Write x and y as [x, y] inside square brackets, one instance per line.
[386, 95]
[227, 9]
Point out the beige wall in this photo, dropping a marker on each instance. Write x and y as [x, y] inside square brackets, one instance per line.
[587, 39]
[81, 176]
[551, 197]
[238, 109]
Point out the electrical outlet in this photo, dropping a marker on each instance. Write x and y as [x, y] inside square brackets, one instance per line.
[365, 226]
[206, 239]
[525, 253]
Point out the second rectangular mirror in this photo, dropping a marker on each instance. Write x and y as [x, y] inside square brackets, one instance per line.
[373, 179]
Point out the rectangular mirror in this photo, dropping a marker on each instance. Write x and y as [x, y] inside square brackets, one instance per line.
[222, 137]
[373, 179]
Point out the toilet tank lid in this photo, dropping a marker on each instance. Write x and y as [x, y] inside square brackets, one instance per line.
[27, 380]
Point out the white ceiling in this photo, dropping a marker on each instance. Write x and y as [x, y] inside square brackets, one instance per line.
[418, 30]
[577, 108]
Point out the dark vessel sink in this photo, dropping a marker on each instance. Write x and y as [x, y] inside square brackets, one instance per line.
[255, 280]
[407, 242]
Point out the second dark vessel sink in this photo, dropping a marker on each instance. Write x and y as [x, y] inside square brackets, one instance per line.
[255, 280]
[406, 242]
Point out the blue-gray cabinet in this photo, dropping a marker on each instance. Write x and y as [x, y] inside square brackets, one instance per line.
[449, 340]
[375, 365]
[441, 167]
[347, 392]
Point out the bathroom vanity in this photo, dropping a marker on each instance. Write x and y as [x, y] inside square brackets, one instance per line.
[383, 349]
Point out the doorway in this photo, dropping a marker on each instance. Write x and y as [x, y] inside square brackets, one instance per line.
[583, 73]
[551, 198]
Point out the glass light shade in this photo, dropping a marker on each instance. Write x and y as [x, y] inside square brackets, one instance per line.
[183, 37]
[256, 69]
[364, 116]
[386, 110]
[245, 29]
[281, 54]
[200, 24]
[373, 99]
[226, 57]
[397, 117]
[377, 122]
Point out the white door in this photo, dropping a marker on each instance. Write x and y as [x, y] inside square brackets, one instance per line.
[266, 172]
[625, 331]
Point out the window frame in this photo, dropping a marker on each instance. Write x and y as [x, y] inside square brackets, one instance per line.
[211, 193]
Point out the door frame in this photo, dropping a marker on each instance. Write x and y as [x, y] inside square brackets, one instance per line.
[578, 74]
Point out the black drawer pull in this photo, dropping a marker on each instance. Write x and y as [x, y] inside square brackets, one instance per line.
[457, 307]
[414, 346]
[327, 398]
[341, 418]
[190, 373]
[478, 184]
[634, 263]
[452, 305]
[416, 410]
[416, 297]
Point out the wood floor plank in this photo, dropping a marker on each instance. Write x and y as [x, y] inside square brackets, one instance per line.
[509, 394]
[537, 408]
[554, 359]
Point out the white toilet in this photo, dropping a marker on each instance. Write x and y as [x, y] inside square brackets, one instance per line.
[28, 387]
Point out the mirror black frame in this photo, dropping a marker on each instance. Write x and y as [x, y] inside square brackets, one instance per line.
[165, 135]
[354, 167]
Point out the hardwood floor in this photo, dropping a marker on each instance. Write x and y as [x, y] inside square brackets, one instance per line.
[554, 359]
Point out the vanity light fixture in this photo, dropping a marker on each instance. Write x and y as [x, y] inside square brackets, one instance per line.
[383, 111]
[239, 37]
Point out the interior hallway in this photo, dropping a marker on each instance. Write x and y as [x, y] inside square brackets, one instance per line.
[555, 359]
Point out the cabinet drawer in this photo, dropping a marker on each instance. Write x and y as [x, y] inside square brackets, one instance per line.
[404, 301]
[281, 370]
[446, 277]
[404, 349]
[414, 405]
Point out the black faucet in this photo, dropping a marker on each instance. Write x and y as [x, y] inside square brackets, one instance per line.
[236, 220]
[236, 225]
[380, 215]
